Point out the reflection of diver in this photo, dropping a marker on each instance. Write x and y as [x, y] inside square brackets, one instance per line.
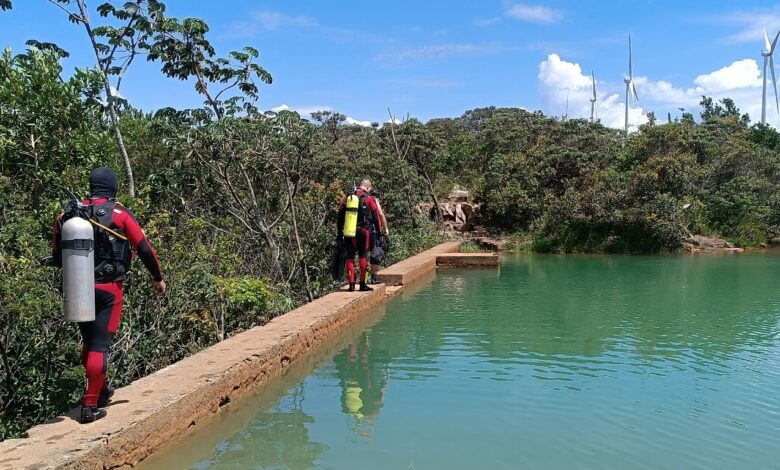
[278, 438]
[363, 372]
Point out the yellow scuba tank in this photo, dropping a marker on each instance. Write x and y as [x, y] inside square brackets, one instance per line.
[351, 216]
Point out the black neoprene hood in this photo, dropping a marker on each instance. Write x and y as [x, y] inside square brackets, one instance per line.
[103, 183]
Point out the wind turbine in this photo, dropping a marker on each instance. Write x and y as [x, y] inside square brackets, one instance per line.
[769, 60]
[629, 82]
[593, 100]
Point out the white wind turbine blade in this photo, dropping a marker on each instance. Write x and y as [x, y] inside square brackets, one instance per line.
[774, 43]
[766, 40]
[633, 88]
[630, 66]
[774, 80]
[593, 77]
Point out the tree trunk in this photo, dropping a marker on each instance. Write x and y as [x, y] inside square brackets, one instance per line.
[275, 254]
[432, 193]
[111, 104]
[301, 253]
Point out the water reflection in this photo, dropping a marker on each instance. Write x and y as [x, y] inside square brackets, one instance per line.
[278, 438]
[363, 374]
[575, 362]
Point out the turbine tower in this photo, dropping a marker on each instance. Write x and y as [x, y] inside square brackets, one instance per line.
[629, 82]
[593, 99]
[769, 61]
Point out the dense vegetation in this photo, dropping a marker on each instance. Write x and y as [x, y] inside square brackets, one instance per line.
[241, 204]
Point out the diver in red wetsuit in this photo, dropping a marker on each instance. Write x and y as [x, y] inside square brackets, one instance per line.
[113, 253]
[368, 219]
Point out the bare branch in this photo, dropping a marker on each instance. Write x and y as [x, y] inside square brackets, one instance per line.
[70, 13]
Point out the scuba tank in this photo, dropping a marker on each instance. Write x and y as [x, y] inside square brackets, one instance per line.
[78, 270]
[351, 215]
[77, 245]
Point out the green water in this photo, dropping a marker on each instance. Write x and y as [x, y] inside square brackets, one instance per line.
[551, 362]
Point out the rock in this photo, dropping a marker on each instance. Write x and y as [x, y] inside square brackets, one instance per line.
[709, 243]
[458, 195]
[460, 216]
[702, 243]
[456, 216]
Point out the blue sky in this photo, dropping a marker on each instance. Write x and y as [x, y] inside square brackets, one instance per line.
[440, 58]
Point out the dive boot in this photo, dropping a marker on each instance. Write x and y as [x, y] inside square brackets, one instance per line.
[364, 287]
[90, 414]
[105, 396]
[352, 287]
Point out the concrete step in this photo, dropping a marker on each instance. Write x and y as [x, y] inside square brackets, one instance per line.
[464, 260]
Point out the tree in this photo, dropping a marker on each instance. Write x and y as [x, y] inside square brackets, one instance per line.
[115, 48]
[409, 142]
[724, 112]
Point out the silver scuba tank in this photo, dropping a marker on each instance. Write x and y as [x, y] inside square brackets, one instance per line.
[78, 270]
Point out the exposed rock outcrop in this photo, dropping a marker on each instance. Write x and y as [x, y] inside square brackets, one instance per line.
[703, 243]
[458, 214]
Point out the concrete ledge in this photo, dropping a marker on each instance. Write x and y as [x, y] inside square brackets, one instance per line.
[157, 409]
[153, 411]
[464, 260]
[410, 269]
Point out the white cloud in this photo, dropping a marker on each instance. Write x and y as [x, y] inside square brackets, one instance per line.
[421, 82]
[115, 93]
[307, 111]
[272, 20]
[558, 73]
[534, 13]
[440, 51]
[560, 80]
[355, 122]
[740, 74]
[751, 24]
[487, 21]
[663, 92]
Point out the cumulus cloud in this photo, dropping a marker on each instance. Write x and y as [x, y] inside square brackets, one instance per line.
[560, 80]
[534, 13]
[307, 111]
[740, 74]
[663, 93]
[354, 122]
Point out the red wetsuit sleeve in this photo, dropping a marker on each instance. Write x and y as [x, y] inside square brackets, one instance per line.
[375, 213]
[125, 220]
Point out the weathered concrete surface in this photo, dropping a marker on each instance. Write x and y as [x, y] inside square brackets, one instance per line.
[392, 291]
[464, 260]
[159, 408]
[410, 269]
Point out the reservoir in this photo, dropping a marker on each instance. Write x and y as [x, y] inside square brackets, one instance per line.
[549, 362]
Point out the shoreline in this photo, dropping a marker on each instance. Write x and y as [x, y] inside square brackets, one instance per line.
[154, 411]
